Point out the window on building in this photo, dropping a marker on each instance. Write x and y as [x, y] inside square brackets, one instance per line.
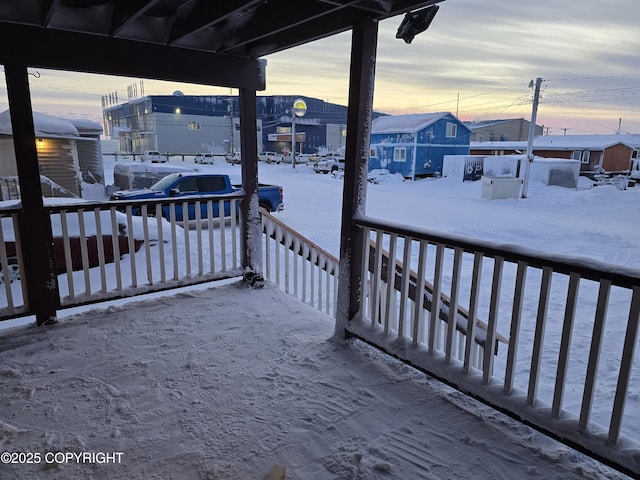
[399, 154]
[372, 153]
[193, 125]
[452, 130]
[582, 155]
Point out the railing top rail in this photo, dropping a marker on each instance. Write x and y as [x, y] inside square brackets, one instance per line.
[587, 268]
[74, 207]
[8, 210]
[301, 237]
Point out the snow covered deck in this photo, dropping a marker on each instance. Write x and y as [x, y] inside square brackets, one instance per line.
[226, 382]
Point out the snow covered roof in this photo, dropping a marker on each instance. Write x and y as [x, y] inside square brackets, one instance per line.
[86, 126]
[45, 125]
[405, 123]
[565, 142]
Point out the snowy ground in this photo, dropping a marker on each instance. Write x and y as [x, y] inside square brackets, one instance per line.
[224, 384]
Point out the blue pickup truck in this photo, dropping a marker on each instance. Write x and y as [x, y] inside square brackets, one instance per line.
[178, 185]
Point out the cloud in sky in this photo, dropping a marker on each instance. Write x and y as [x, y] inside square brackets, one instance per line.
[477, 59]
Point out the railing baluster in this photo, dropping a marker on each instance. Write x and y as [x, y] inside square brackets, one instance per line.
[115, 242]
[234, 233]
[100, 249]
[364, 272]
[453, 305]
[320, 263]
[4, 265]
[327, 280]
[391, 275]
[287, 245]
[187, 241]
[277, 246]
[223, 237]
[163, 273]
[84, 251]
[538, 339]
[268, 229]
[516, 315]
[174, 240]
[145, 230]
[625, 367]
[312, 293]
[594, 353]
[434, 317]
[211, 237]
[374, 292]
[487, 366]
[470, 343]
[67, 254]
[404, 286]
[305, 255]
[198, 214]
[132, 248]
[296, 250]
[565, 343]
[418, 312]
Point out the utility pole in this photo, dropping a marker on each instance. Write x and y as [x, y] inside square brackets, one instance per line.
[532, 132]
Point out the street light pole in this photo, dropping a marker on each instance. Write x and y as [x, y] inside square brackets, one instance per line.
[532, 132]
[298, 110]
[293, 140]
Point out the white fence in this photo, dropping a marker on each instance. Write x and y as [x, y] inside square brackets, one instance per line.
[103, 251]
[306, 271]
[560, 314]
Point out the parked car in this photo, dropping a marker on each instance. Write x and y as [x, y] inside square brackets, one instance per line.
[75, 247]
[153, 156]
[179, 185]
[234, 158]
[329, 163]
[207, 158]
[269, 157]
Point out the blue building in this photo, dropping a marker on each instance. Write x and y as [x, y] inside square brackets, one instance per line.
[210, 123]
[414, 145]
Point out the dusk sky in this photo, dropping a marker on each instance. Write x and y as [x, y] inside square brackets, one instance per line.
[476, 60]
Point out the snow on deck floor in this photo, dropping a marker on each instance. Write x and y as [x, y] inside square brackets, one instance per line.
[224, 383]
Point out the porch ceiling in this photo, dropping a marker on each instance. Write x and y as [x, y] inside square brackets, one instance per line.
[238, 28]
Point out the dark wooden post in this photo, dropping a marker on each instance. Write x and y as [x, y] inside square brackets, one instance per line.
[39, 262]
[251, 225]
[361, 82]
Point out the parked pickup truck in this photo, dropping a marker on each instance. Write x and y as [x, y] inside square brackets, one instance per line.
[178, 185]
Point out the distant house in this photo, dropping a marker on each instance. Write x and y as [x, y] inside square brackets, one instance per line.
[414, 145]
[597, 153]
[511, 129]
[68, 151]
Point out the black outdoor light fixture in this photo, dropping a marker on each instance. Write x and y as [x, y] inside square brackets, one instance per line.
[416, 22]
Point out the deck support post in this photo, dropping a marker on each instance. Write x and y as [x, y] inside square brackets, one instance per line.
[250, 223]
[361, 82]
[37, 238]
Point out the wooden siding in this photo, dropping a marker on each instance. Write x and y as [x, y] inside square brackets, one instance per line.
[617, 158]
[58, 161]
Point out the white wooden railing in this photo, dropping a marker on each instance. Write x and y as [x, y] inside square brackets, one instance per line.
[306, 271]
[138, 254]
[557, 382]
[298, 266]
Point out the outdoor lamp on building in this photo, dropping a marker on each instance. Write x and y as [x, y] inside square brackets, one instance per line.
[416, 22]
